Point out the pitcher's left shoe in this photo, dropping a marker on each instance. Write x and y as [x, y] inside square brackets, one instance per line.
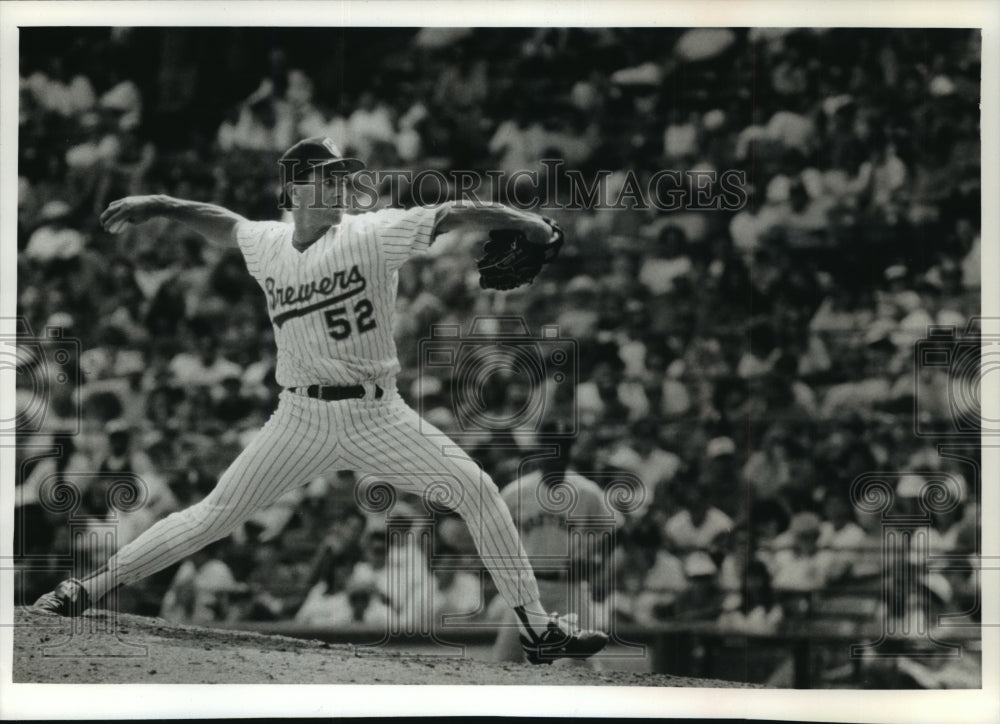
[69, 598]
[561, 639]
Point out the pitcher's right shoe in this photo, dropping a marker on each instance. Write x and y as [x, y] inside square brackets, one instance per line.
[69, 598]
[561, 639]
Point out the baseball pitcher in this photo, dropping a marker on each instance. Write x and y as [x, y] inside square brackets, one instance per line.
[329, 281]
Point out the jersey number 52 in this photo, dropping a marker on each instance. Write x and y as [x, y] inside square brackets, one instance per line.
[338, 326]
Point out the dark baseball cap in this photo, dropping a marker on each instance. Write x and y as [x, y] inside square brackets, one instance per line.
[316, 152]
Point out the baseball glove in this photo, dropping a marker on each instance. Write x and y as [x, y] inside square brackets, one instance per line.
[510, 260]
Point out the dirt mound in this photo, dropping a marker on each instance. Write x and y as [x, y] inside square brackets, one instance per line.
[107, 649]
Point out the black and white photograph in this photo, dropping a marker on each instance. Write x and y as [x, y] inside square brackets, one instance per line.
[589, 358]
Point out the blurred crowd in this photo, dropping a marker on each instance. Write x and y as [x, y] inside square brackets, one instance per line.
[745, 366]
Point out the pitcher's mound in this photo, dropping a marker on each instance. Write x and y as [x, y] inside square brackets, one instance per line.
[100, 648]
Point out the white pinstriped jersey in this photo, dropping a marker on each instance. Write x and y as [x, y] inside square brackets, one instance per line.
[333, 306]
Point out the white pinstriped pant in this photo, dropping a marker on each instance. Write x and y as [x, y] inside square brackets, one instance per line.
[306, 437]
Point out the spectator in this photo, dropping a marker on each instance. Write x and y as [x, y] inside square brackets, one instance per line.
[124, 101]
[840, 538]
[95, 151]
[327, 605]
[698, 523]
[121, 464]
[701, 599]
[665, 385]
[579, 318]
[54, 239]
[330, 585]
[205, 367]
[649, 577]
[54, 94]
[366, 601]
[768, 470]
[680, 139]
[669, 262]
[263, 122]
[459, 593]
[275, 586]
[231, 405]
[606, 395]
[382, 586]
[203, 588]
[650, 463]
[798, 565]
[68, 460]
[720, 476]
[369, 125]
[753, 609]
[517, 143]
[909, 490]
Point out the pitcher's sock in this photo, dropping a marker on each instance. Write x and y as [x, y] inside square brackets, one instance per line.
[532, 618]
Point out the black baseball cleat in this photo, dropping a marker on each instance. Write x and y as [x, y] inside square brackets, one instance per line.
[69, 598]
[562, 639]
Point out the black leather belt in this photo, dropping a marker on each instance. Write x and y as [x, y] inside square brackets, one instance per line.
[332, 393]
